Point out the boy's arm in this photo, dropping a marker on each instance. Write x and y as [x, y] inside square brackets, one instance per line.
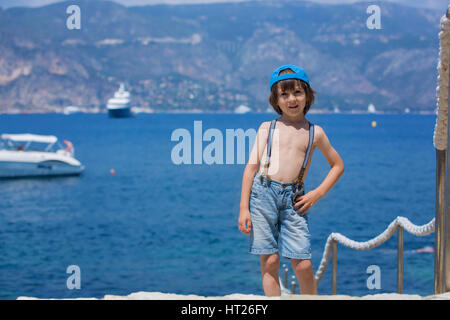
[249, 173]
[335, 161]
[336, 171]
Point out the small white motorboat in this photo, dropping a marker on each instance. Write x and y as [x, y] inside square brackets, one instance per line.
[71, 110]
[17, 159]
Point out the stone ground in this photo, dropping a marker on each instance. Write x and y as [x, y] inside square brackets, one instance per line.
[170, 296]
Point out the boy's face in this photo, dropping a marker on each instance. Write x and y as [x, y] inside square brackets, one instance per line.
[292, 102]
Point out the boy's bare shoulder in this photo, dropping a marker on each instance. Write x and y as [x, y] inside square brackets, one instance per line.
[319, 134]
[318, 129]
[264, 127]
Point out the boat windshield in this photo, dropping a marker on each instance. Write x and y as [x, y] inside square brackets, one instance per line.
[28, 142]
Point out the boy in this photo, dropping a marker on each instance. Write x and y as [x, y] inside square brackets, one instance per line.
[273, 202]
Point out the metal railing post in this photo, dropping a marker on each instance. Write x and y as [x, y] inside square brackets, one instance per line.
[439, 231]
[285, 276]
[446, 221]
[442, 223]
[334, 275]
[293, 285]
[400, 260]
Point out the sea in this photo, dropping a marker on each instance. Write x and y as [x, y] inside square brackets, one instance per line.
[139, 220]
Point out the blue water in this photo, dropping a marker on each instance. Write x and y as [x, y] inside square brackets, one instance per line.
[157, 226]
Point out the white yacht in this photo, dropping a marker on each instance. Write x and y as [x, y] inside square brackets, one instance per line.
[242, 109]
[18, 159]
[119, 106]
[371, 108]
[71, 110]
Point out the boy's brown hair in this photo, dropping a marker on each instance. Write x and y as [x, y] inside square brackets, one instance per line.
[289, 85]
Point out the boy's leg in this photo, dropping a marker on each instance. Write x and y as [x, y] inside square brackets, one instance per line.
[305, 275]
[269, 274]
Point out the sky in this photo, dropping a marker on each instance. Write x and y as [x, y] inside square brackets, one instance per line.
[433, 4]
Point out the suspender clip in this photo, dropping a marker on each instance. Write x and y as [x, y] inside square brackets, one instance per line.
[297, 185]
[265, 177]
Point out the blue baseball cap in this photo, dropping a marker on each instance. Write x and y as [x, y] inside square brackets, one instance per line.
[299, 73]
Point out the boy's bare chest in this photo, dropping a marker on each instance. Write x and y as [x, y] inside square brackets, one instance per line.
[291, 141]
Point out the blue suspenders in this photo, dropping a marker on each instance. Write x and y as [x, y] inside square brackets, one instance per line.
[269, 152]
[299, 180]
[298, 183]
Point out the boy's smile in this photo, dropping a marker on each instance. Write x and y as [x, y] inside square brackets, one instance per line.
[292, 102]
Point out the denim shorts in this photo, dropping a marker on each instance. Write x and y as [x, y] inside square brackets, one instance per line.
[276, 226]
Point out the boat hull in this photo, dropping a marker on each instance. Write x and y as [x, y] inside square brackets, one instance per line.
[120, 113]
[13, 169]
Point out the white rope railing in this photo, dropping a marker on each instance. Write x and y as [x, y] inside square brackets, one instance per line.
[372, 243]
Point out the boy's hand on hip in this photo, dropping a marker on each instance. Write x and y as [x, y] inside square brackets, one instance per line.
[245, 222]
[306, 201]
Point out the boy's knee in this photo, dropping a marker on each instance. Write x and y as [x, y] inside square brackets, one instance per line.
[303, 266]
[271, 261]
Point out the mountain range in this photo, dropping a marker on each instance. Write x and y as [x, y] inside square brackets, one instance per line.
[215, 57]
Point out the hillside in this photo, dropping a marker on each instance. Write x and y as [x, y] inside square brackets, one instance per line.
[215, 57]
